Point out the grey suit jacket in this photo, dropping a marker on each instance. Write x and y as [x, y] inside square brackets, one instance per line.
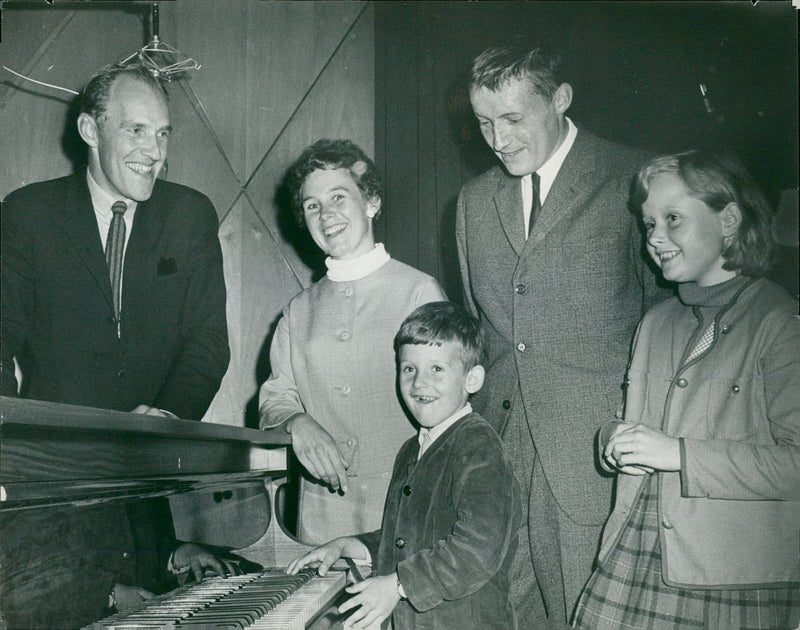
[559, 309]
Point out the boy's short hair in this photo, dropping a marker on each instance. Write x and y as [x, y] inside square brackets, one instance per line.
[329, 155]
[518, 59]
[718, 178]
[436, 323]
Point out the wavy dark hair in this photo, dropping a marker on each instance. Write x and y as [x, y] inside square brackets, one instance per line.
[329, 155]
[438, 322]
[718, 178]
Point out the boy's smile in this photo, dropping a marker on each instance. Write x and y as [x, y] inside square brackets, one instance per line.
[433, 381]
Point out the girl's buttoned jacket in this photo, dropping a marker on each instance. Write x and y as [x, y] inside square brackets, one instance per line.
[730, 518]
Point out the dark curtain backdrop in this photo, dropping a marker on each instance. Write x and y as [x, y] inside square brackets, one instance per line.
[636, 70]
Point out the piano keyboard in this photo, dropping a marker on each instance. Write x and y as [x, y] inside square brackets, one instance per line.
[270, 600]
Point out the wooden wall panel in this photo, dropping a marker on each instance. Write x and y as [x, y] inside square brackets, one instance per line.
[50, 45]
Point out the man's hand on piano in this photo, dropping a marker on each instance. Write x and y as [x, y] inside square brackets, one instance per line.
[128, 597]
[317, 451]
[198, 559]
[147, 410]
[323, 557]
[376, 597]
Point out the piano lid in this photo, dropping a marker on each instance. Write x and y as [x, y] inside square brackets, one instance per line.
[55, 454]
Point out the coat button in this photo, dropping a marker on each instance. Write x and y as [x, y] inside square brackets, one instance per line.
[506, 404]
[122, 373]
[126, 555]
[345, 389]
[735, 389]
[344, 335]
[351, 442]
[348, 291]
[666, 524]
[682, 382]
[726, 329]
[520, 289]
[521, 347]
[407, 490]
[400, 543]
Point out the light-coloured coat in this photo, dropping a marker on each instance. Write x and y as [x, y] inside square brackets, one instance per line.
[731, 517]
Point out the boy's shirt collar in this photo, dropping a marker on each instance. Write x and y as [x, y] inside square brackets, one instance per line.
[427, 437]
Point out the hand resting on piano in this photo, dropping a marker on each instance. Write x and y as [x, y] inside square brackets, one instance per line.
[373, 599]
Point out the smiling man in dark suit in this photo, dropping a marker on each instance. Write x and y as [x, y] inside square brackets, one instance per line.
[551, 264]
[121, 309]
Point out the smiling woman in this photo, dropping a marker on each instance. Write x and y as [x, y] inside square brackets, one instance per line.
[333, 380]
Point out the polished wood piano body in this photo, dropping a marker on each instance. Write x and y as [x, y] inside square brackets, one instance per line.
[53, 454]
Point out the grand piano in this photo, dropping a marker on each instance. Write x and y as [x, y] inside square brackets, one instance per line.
[55, 455]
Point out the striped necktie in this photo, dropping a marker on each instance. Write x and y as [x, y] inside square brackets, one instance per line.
[115, 247]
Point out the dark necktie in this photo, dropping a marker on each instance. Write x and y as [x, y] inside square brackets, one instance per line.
[536, 205]
[115, 247]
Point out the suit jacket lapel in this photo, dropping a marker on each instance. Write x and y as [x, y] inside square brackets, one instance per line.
[569, 189]
[508, 202]
[80, 224]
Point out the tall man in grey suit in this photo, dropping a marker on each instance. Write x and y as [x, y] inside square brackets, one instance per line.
[551, 264]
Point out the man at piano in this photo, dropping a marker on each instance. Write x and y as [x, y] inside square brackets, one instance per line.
[113, 296]
[450, 522]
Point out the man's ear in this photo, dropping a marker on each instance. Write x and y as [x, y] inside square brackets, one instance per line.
[731, 218]
[562, 98]
[474, 380]
[87, 128]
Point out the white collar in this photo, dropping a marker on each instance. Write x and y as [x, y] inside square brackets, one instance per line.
[102, 200]
[548, 171]
[435, 432]
[359, 267]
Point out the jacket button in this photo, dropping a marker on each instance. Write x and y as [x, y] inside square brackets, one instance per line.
[345, 389]
[521, 347]
[122, 373]
[666, 524]
[344, 335]
[506, 404]
[399, 543]
[726, 329]
[520, 288]
[682, 382]
[735, 389]
[348, 291]
[126, 555]
[407, 490]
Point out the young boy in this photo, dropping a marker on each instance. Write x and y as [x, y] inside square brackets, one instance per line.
[443, 556]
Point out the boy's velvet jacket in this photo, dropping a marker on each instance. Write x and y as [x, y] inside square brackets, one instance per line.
[731, 517]
[450, 528]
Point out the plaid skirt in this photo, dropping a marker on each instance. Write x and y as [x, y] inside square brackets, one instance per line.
[628, 593]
